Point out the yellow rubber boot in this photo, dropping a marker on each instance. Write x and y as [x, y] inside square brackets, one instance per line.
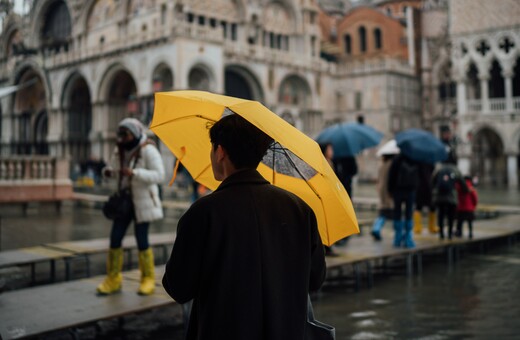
[417, 222]
[432, 226]
[147, 267]
[112, 282]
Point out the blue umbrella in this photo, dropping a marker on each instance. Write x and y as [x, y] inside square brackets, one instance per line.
[348, 139]
[421, 146]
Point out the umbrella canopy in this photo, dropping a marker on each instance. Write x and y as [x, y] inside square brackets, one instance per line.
[294, 161]
[389, 148]
[421, 146]
[348, 139]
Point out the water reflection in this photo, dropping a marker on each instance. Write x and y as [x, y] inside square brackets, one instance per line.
[477, 299]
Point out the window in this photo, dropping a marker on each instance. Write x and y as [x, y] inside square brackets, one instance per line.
[359, 100]
[348, 47]
[362, 39]
[378, 43]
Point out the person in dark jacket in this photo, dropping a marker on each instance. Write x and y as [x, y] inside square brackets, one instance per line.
[402, 184]
[445, 194]
[248, 253]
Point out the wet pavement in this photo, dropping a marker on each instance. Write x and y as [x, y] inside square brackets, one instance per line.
[476, 298]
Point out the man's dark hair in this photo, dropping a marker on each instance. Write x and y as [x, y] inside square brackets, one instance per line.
[245, 144]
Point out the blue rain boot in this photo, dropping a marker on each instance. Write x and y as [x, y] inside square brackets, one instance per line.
[408, 235]
[376, 228]
[398, 233]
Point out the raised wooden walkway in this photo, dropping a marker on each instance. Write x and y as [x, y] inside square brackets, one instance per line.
[48, 308]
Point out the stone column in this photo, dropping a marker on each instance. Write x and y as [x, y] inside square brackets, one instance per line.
[512, 171]
[484, 92]
[462, 105]
[507, 73]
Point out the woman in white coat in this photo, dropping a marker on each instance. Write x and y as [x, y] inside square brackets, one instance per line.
[137, 164]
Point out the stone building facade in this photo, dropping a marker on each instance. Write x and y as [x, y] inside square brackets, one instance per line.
[83, 65]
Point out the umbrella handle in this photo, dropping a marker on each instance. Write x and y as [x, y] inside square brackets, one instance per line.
[176, 167]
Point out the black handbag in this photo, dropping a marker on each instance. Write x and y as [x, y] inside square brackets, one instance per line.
[317, 330]
[120, 203]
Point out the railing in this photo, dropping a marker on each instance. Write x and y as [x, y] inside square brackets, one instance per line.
[516, 103]
[475, 105]
[373, 65]
[497, 104]
[34, 178]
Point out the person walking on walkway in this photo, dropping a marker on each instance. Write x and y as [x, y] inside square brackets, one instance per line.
[386, 203]
[467, 203]
[402, 184]
[138, 165]
[248, 253]
[445, 194]
[423, 198]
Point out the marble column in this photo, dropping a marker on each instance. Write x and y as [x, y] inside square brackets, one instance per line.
[484, 93]
[512, 171]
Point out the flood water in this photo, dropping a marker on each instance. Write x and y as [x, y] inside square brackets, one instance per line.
[476, 298]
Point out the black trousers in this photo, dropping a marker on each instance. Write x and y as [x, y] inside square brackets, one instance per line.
[445, 211]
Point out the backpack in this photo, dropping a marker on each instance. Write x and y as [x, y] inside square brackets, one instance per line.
[407, 175]
[445, 183]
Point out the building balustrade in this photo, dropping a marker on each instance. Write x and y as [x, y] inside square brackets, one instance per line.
[496, 105]
[374, 65]
[34, 178]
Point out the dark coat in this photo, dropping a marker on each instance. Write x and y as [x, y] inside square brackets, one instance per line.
[423, 197]
[396, 173]
[247, 254]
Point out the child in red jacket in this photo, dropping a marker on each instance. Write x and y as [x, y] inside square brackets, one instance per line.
[467, 202]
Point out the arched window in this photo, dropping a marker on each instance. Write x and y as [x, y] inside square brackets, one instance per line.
[362, 39]
[348, 42]
[57, 26]
[378, 41]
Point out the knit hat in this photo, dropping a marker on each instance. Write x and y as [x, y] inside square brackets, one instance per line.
[133, 125]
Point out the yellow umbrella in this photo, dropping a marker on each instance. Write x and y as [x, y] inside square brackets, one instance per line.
[181, 120]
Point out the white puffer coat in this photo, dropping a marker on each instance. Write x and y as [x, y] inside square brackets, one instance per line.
[148, 172]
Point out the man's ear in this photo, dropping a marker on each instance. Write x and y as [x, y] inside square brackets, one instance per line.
[220, 153]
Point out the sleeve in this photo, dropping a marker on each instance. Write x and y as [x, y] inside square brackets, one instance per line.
[153, 170]
[183, 271]
[318, 266]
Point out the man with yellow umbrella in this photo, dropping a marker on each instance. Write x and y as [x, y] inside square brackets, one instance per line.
[247, 254]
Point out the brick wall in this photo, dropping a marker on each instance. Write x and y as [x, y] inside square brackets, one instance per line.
[469, 16]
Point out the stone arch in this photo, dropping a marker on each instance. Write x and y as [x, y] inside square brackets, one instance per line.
[29, 109]
[118, 91]
[241, 82]
[76, 104]
[473, 82]
[162, 78]
[60, 24]
[200, 77]
[295, 91]
[488, 158]
[496, 80]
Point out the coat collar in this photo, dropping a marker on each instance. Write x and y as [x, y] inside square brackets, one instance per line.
[246, 176]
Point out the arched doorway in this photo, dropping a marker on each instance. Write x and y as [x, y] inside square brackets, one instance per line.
[162, 80]
[241, 83]
[199, 79]
[78, 109]
[30, 124]
[122, 99]
[489, 161]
